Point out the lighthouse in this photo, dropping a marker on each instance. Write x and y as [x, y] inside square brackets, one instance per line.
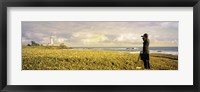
[51, 40]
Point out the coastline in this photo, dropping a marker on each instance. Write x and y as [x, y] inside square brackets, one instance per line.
[156, 52]
[137, 52]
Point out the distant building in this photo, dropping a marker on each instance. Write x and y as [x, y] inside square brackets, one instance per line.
[51, 40]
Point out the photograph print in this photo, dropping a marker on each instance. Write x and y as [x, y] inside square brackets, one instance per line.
[99, 45]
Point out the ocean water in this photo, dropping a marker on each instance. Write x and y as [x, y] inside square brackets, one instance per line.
[166, 50]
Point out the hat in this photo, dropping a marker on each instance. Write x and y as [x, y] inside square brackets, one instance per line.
[145, 35]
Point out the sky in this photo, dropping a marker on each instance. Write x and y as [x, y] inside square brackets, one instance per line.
[101, 33]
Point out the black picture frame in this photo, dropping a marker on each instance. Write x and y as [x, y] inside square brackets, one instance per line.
[99, 3]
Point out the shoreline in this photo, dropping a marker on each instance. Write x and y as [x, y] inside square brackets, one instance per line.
[154, 52]
[137, 52]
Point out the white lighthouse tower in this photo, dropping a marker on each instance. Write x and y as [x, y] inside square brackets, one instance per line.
[51, 40]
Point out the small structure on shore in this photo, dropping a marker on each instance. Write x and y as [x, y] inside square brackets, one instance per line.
[51, 42]
[131, 48]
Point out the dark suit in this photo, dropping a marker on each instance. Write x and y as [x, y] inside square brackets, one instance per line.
[146, 53]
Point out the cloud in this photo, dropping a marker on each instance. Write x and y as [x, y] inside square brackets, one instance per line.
[89, 38]
[94, 39]
[126, 37]
[101, 33]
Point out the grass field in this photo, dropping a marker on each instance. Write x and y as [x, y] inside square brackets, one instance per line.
[45, 58]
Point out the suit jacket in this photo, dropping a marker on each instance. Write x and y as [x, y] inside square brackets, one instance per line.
[146, 46]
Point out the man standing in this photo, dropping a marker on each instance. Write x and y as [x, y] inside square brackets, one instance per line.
[145, 54]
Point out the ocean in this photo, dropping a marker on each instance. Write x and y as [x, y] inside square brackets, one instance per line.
[166, 50]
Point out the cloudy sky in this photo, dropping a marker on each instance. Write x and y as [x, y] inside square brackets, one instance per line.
[100, 34]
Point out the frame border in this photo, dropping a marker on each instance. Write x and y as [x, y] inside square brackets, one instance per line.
[103, 3]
